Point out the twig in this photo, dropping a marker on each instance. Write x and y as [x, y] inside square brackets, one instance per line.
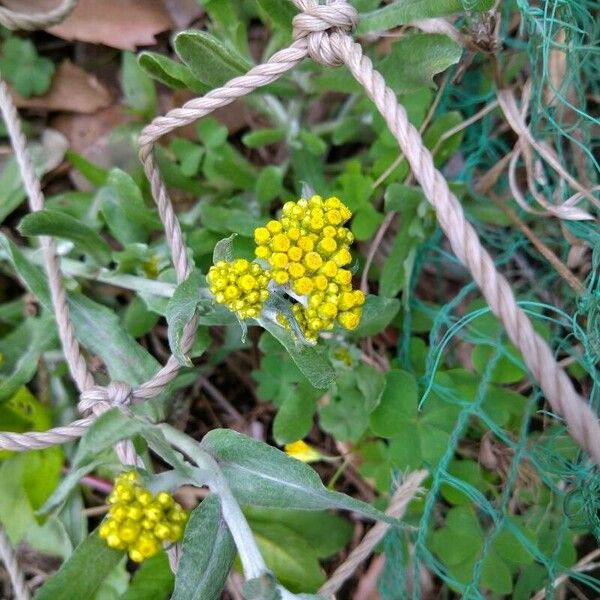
[575, 284]
[585, 564]
[402, 497]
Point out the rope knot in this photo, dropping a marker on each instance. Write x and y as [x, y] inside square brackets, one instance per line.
[99, 399]
[320, 24]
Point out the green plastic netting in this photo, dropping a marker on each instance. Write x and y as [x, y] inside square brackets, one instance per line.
[554, 493]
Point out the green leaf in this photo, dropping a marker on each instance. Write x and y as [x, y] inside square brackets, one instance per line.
[109, 428]
[124, 210]
[294, 419]
[280, 13]
[505, 370]
[207, 555]
[29, 73]
[169, 72]
[96, 327]
[344, 414]
[495, 575]
[263, 137]
[326, 533]
[68, 582]
[59, 224]
[261, 475]
[45, 156]
[269, 184]
[311, 360]
[35, 336]
[188, 154]
[66, 486]
[365, 222]
[402, 12]
[289, 556]
[415, 59]
[101, 332]
[152, 581]
[180, 310]
[208, 59]
[378, 313]
[92, 172]
[460, 539]
[137, 86]
[400, 388]
[449, 146]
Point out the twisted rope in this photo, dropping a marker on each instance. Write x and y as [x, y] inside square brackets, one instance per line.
[339, 48]
[36, 20]
[323, 33]
[9, 559]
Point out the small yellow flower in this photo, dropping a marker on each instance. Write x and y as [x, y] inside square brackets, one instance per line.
[139, 522]
[306, 250]
[236, 284]
[300, 450]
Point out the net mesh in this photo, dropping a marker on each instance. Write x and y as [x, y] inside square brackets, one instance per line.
[544, 499]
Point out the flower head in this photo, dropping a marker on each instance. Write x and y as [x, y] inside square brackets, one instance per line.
[240, 285]
[140, 522]
[300, 450]
[307, 250]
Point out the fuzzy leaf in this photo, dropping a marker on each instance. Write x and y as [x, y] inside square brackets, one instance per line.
[207, 555]
[62, 225]
[68, 582]
[261, 475]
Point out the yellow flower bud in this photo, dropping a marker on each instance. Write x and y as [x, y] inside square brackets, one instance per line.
[343, 277]
[262, 252]
[313, 261]
[327, 310]
[279, 260]
[295, 253]
[327, 246]
[303, 286]
[305, 243]
[280, 243]
[280, 277]
[144, 497]
[129, 531]
[274, 226]
[296, 270]
[261, 235]
[321, 282]
[114, 541]
[145, 547]
[162, 531]
[349, 320]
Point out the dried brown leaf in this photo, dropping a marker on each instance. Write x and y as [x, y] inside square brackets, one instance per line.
[183, 12]
[123, 24]
[72, 90]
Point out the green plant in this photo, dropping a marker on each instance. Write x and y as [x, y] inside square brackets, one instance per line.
[419, 375]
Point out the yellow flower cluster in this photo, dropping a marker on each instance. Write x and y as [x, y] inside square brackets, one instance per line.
[308, 249]
[240, 285]
[140, 522]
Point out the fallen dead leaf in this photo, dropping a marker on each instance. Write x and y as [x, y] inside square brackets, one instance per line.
[183, 12]
[92, 137]
[72, 90]
[123, 24]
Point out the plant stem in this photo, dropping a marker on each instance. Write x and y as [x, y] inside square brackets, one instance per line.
[252, 560]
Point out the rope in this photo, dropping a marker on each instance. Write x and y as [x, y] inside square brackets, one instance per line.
[332, 45]
[9, 559]
[400, 500]
[321, 31]
[37, 20]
